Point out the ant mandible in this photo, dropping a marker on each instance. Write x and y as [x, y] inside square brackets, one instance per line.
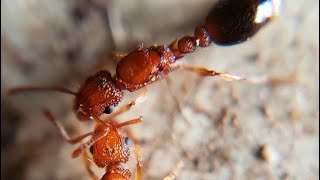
[109, 146]
[229, 22]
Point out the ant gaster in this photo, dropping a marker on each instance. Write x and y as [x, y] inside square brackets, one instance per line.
[229, 22]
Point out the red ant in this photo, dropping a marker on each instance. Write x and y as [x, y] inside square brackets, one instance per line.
[109, 147]
[229, 22]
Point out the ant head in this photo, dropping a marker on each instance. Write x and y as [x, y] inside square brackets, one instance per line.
[231, 22]
[112, 148]
[98, 95]
[116, 172]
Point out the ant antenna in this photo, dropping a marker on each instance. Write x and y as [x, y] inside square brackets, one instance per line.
[133, 121]
[48, 88]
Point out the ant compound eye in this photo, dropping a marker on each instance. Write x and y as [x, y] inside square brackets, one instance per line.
[91, 149]
[109, 109]
[127, 141]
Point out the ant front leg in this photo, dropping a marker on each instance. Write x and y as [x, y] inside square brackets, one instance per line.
[126, 107]
[95, 137]
[206, 72]
[138, 172]
[86, 159]
[175, 171]
[62, 131]
[87, 163]
[137, 151]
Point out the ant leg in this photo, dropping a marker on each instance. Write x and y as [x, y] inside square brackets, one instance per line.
[137, 154]
[98, 120]
[129, 122]
[137, 151]
[87, 163]
[128, 106]
[118, 56]
[128, 132]
[62, 131]
[99, 134]
[175, 171]
[138, 172]
[95, 137]
[230, 77]
[206, 72]
[104, 60]
[178, 102]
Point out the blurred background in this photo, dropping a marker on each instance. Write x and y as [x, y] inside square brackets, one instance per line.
[205, 128]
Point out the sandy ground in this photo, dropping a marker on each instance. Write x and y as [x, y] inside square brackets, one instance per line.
[220, 127]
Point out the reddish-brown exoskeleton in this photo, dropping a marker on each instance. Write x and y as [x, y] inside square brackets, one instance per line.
[109, 146]
[229, 22]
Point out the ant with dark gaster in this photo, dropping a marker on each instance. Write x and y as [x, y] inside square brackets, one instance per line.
[228, 23]
[102, 92]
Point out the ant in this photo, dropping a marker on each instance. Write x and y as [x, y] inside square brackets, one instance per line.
[229, 22]
[109, 146]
